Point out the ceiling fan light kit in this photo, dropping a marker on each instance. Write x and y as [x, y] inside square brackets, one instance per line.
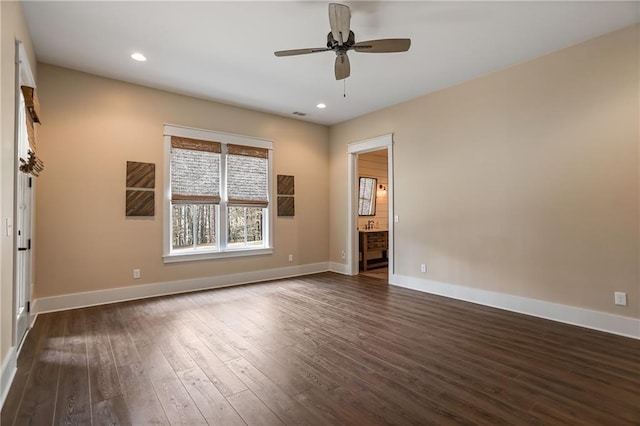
[341, 39]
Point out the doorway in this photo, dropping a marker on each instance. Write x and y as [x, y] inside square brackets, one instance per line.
[370, 243]
[373, 214]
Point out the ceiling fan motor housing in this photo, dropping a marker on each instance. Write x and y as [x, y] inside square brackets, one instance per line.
[333, 44]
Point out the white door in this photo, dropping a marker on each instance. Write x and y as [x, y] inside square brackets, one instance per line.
[23, 221]
[23, 255]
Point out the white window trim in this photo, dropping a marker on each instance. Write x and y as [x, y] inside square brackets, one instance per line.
[224, 138]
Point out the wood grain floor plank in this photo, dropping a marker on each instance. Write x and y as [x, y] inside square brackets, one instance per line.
[122, 345]
[212, 404]
[142, 401]
[152, 318]
[24, 366]
[178, 406]
[290, 381]
[217, 372]
[322, 349]
[286, 408]
[111, 412]
[388, 372]
[624, 410]
[188, 315]
[252, 410]
[38, 403]
[103, 376]
[319, 374]
[336, 407]
[73, 404]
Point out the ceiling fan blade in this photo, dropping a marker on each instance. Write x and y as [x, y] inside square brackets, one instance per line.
[339, 21]
[300, 51]
[386, 45]
[342, 68]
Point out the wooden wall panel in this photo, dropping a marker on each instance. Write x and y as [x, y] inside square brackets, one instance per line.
[141, 175]
[140, 203]
[140, 192]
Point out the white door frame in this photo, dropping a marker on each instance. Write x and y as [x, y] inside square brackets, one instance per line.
[353, 150]
[24, 77]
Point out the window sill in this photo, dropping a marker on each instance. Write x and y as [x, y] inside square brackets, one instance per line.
[191, 256]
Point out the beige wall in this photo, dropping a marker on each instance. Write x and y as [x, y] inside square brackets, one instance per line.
[374, 164]
[12, 27]
[525, 181]
[93, 126]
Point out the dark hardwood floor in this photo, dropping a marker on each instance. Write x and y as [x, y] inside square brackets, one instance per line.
[319, 350]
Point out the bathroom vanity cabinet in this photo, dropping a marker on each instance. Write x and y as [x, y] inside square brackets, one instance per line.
[374, 246]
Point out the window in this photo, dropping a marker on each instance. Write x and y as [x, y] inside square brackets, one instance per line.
[218, 195]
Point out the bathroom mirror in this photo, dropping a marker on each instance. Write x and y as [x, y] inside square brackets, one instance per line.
[367, 196]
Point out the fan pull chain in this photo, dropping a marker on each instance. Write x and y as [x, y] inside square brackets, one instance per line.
[344, 88]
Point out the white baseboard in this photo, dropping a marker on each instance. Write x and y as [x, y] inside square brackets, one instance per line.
[7, 373]
[112, 295]
[340, 268]
[602, 321]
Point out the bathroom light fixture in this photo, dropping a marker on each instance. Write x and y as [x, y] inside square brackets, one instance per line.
[321, 106]
[137, 56]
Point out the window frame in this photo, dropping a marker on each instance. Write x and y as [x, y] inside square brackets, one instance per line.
[221, 251]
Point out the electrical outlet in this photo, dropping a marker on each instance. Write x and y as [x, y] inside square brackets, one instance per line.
[290, 258]
[620, 298]
[342, 254]
[423, 267]
[136, 274]
[396, 219]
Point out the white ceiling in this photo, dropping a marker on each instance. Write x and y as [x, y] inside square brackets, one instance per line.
[223, 51]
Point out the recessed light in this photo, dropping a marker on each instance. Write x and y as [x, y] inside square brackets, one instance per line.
[137, 56]
[321, 106]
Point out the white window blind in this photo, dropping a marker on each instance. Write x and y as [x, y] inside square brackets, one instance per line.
[247, 176]
[195, 171]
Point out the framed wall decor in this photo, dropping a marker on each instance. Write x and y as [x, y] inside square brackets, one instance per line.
[140, 189]
[286, 196]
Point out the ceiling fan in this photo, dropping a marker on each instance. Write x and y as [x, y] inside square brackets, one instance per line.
[341, 39]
